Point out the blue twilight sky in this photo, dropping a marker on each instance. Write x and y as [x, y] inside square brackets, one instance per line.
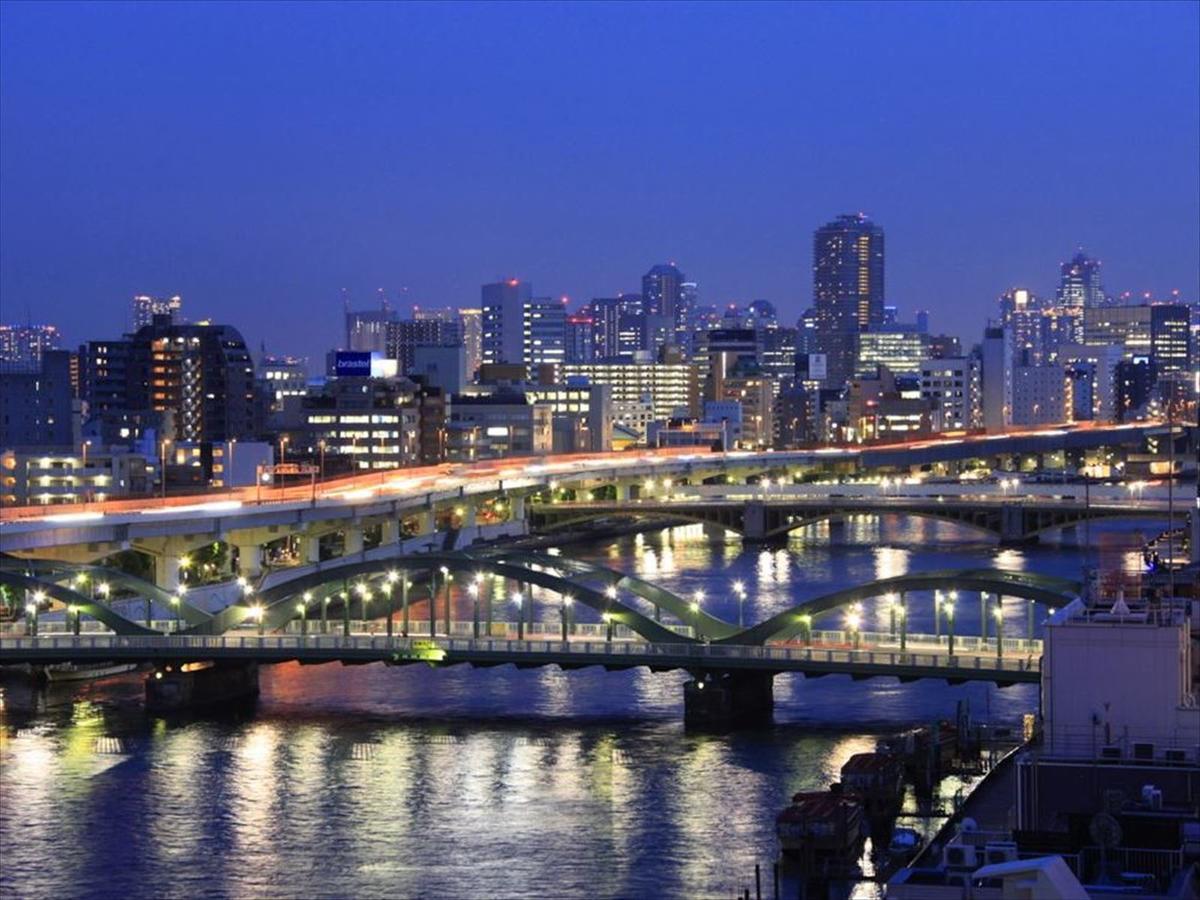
[259, 158]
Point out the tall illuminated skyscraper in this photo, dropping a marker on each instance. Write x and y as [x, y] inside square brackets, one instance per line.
[1079, 283]
[847, 289]
[144, 308]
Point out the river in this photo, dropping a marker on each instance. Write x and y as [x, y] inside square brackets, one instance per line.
[395, 782]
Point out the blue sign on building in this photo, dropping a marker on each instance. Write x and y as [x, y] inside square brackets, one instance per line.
[348, 363]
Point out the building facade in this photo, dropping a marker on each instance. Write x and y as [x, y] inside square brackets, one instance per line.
[848, 288]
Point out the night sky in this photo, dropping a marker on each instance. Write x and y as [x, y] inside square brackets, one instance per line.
[259, 159]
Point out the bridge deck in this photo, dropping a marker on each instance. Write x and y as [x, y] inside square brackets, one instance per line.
[816, 661]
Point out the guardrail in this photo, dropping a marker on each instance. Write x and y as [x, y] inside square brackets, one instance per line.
[884, 660]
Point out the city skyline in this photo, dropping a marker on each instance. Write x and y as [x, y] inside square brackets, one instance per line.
[546, 189]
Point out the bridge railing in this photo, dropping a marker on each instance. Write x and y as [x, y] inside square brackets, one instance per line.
[883, 659]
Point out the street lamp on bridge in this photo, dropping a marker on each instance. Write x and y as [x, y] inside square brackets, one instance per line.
[740, 590]
[949, 607]
[697, 599]
[567, 601]
[516, 599]
[902, 615]
[854, 625]
[473, 590]
[998, 615]
[806, 628]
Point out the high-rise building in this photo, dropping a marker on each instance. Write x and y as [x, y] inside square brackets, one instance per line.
[503, 304]
[405, 336]
[472, 328]
[996, 379]
[847, 288]
[39, 409]
[544, 328]
[662, 290]
[619, 326]
[1021, 314]
[1039, 395]
[668, 387]
[366, 330]
[952, 388]
[22, 346]
[202, 375]
[923, 321]
[1079, 283]
[580, 335]
[1170, 341]
[1124, 326]
[144, 308]
[284, 376]
[894, 346]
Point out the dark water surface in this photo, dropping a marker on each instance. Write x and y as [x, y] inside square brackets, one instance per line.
[394, 782]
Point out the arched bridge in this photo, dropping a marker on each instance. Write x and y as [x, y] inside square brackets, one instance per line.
[1013, 521]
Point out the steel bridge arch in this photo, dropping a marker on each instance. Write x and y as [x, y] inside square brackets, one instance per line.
[1045, 589]
[278, 601]
[705, 623]
[68, 597]
[190, 614]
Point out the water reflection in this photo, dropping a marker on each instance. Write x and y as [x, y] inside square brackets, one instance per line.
[384, 782]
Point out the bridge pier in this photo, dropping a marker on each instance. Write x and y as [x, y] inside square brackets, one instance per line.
[170, 690]
[352, 541]
[728, 700]
[1012, 527]
[249, 559]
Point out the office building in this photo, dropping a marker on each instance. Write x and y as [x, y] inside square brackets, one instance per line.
[1100, 364]
[952, 388]
[405, 336]
[22, 346]
[848, 269]
[668, 386]
[900, 348]
[1039, 395]
[371, 423]
[544, 327]
[472, 331]
[284, 376]
[441, 366]
[1170, 341]
[579, 338]
[582, 415]
[144, 308]
[662, 295]
[1021, 315]
[39, 409]
[1134, 387]
[1124, 326]
[996, 379]
[497, 425]
[366, 330]
[503, 320]
[618, 325]
[1079, 283]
